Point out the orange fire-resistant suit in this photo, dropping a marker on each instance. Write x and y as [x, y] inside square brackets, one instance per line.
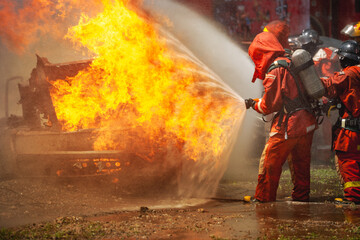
[346, 86]
[292, 137]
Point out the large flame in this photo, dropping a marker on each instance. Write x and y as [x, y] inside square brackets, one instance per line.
[23, 23]
[138, 80]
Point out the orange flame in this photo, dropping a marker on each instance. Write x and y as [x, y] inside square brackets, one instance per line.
[143, 79]
[22, 24]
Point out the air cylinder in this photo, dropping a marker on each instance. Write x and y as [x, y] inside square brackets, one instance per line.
[304, 66]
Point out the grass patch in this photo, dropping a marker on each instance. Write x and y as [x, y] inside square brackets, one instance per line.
[62, 228]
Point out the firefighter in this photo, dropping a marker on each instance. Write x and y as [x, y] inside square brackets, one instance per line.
[310, 40]
[325, 59]
[292, 127]
[345, 85]
[326, 63]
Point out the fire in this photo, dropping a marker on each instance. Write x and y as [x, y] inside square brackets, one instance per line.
[145, 86]
[23, 23]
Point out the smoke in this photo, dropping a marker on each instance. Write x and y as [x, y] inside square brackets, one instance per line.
[228, 60]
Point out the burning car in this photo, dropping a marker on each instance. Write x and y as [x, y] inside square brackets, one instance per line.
[36, 145]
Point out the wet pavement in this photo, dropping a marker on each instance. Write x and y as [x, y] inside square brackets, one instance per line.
[75, 208]
[227, 219]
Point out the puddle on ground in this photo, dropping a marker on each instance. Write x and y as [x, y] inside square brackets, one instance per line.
[243, 220]
[300, 211]
[254, 217]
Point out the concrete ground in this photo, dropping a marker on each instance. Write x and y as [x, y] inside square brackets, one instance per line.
[45, 208]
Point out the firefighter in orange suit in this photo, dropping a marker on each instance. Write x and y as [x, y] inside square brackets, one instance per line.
[345, 85]
[325, 59]
[294, 124]
[326, 63]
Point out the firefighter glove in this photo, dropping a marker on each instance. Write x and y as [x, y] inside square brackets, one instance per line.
[249, 103]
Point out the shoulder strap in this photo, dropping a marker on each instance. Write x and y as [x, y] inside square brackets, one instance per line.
[278, 63]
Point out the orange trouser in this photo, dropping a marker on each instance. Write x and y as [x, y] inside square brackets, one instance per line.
[349, 168]
[274, 156]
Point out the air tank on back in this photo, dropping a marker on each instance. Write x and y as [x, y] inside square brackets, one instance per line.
[307, 73]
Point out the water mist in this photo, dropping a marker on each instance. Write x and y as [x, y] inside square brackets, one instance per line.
[230, 62]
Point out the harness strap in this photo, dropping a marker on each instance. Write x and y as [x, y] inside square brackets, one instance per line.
[291, 105]
[276, 64]
[287, 120]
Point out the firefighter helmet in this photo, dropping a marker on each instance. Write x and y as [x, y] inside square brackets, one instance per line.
[309, 40]
[309, 35]
[352, 30]
[349, 53]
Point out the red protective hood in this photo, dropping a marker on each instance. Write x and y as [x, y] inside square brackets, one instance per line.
[281, 31]
[263, 50]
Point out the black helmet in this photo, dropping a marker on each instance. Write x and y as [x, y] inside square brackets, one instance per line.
[349, 53]
[309, 40]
